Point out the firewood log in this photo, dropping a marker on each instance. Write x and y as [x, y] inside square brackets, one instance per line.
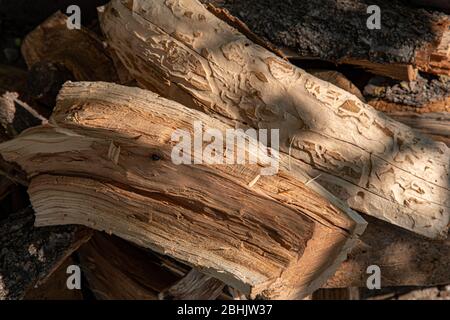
[379, 166]
[409, 37]
[107, 165]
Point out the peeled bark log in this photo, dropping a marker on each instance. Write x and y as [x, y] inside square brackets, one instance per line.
[405, 259]
[436, 125]
[80, 51]
[377, 165]
[337, 31]
[272, 237]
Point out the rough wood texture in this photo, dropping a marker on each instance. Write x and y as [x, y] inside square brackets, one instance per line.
[336, 31]
[116, 270]
[377, 165]
[209, 216]
[29, 255]
[405, 259]
[421, 95]
[194, 286]
[80, 51]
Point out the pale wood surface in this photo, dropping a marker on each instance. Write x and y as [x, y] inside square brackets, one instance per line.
[377, 165]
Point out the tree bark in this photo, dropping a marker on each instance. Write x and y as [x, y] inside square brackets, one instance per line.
[218, 218]
[30, 255]
[379, 166]
[408, 37]
[194, 286]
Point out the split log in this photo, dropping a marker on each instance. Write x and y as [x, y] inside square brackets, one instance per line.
[409, 37]
[405, 259]
[194, 286]
[116, 270]
[78, 50]
[272, 237]
[30, 255]
[377, 165]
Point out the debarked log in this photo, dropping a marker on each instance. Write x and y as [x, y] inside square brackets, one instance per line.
[377, 165]
[107, 165]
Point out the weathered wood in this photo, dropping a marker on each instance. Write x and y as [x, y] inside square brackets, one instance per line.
[377, 165]
[194, 286]
[29, 255]
[116, 270]
[405, 259]
[336, 31]
[272, 237]
[78, 50]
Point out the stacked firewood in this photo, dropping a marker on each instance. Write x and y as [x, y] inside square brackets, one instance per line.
[363, 162]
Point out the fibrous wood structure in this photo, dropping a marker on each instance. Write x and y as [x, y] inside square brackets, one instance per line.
[378, 166]
[107, 165]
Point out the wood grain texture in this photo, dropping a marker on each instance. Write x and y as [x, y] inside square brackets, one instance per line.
[277, 238]
[377, 165]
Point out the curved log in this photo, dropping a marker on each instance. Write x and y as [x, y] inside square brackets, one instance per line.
[108, 166]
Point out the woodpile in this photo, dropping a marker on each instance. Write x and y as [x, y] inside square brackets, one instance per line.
[357, 174]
